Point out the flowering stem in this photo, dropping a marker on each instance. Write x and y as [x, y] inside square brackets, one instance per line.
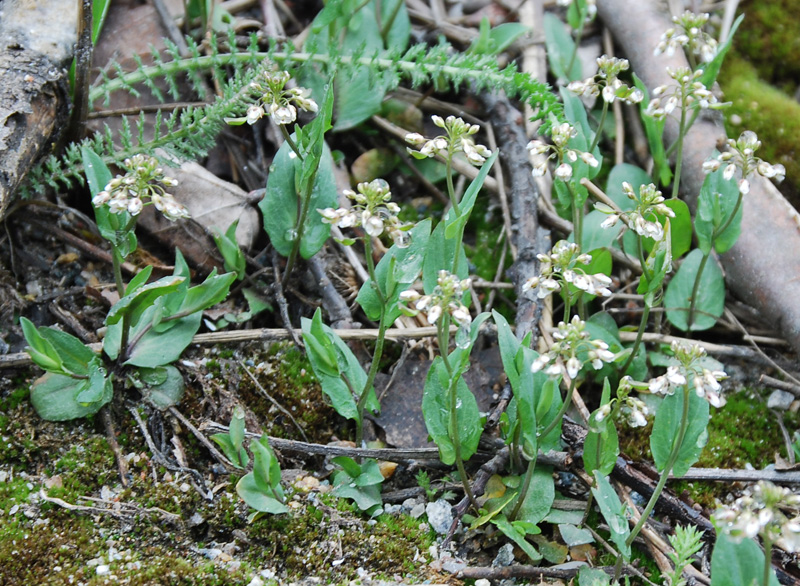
[578, 37]
[679, 154]
[638, 341]
[561, 412]
[577, 216]
[288, 138]
[599, 127]
[379, 342]
[645, 315]
[662, 481]
[523, 489]
[304, 204]
[696, 289]
[767, 560]
[116, 260]
[452, 393]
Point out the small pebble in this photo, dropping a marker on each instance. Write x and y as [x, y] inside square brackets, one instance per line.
[440, 516]
[103, 570]
[780, 400]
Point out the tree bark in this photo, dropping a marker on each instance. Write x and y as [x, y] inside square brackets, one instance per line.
[36, 40]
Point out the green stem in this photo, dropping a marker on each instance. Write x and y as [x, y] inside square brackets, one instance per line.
[288, 138]
[578, 37]
[662, 481]
[561, 412]
[767, 561]
[577, 216]
[599, 127]
[452, 393]
[696, 289]
[299, 227]
[523, 489]
[679, 154]
[451, 192]
[116, 261]
[721, 230]
[638, 341]
[379, 343]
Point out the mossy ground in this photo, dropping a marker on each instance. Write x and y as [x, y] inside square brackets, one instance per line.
[728, 446]
[161, 530]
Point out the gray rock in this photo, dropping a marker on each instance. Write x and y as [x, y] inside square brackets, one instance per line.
[440, 516]
[418, 510]
[505, 556]
[780, 400]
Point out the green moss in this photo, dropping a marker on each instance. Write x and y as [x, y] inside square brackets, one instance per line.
[84, 469]
[304, 538]
[771, 114]
[768, 39]
[743, 411]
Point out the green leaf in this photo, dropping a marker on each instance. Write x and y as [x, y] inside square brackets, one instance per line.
[654, 129]
[594, 235]
[407, 266]
[331, 358]
[74, 353]
[711, 70]
[153, 348]
[280, 203]
[560, 48]
[613, 512]
[40, 349]
[715, 204]
[667, 425]
[97, 173]
[601, 446]
[455, 224]
[359, 95]
[53, 397]
[99, 385]
[394, 13]
[436, 411]
[210, 292]
[622, 173]
[738, 563]
[593, 577]
[710, 302]
[439, 255]
[232, 255]
[236, 429]
[540, 497]
[142, 299]
[169, 392]
[250, 493]
[503, 524]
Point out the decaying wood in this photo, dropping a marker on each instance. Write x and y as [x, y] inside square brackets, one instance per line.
[762, 267]
[36, 39]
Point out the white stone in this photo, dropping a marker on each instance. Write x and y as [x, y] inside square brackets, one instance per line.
[440, 516]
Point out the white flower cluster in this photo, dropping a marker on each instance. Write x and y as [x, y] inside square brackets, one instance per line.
[742, 156]
[688, 92]
[562, 357]
[277, 101]
[688, 32]
[606, 82]
[764, 513]
[561, 267]
[446, 297]
[561, 135]
[457, 138]
[705, 381]
[372, 210]
[642, 219]
[142, 185]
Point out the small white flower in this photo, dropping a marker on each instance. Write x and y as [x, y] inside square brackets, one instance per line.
[434, 313]
[254, 113]
[563, 172]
